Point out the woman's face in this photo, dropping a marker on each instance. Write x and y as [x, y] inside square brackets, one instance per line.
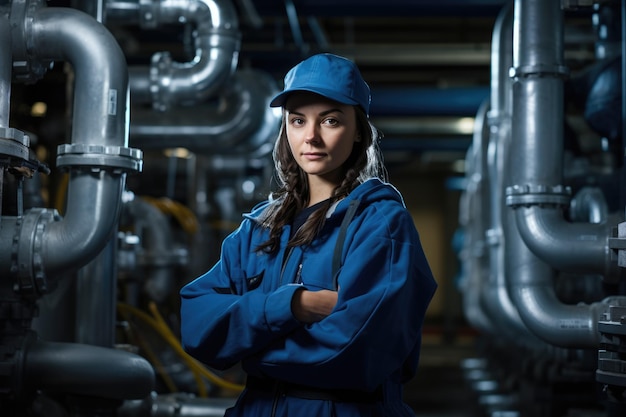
[321, 134]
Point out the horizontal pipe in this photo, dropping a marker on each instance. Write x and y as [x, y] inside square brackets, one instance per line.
[568, 247]
[393, 8]
[86, 370]
[460, 101]
[242, 123]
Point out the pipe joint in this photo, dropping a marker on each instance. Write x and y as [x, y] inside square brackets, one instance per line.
[119, 159]
[538, 195]
[14, 143]
[27, 257]
[27, 68]
[539, 70]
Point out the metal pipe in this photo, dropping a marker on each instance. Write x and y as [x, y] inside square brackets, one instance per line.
[167, 83]
[5, 71]
[87, 371]
[537, 170]
[99, 124]
[495, 296]
[568, 247]
[473, 218]
[242, 123]
[96, 299]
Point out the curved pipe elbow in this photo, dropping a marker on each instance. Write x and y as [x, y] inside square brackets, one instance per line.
[93, 209]
[216, 41]
[567, 247]
[198, 80]
[101, 73]
[99, 118]
[568, 326]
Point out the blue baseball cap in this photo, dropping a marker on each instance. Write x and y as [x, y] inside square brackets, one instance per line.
[328, 75]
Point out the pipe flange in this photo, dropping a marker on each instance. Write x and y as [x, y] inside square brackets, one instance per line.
[539, 70]
[118, 158]
[537, 195]
[27, 67]
[31, 278]
[14, 143]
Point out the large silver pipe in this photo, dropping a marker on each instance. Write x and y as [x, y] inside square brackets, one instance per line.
[242, 123]
[537, 127]
[167, 83]
[495, 294]
[96, 299]
[85, 370]
[5, 71]
[99, 128]
[569, 247]
[473, 217]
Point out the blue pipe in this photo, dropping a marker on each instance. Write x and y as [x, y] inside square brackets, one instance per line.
[460, 101]
[385, 8]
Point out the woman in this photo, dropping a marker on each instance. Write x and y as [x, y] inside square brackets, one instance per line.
[321, 292]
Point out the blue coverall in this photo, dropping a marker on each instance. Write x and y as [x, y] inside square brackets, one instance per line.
[240, 311]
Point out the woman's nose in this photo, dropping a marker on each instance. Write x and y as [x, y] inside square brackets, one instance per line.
[311, 135]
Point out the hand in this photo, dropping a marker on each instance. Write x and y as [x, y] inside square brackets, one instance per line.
[312, 306]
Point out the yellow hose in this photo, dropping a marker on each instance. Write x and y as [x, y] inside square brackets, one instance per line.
[158, 323]
[126, 309]
[185, 217]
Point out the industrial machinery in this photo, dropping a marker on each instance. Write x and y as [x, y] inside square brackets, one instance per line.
[543, 217]
[81, 270]
[152, 162]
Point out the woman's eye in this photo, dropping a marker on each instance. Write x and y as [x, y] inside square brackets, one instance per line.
[331, 122]
[297, 121]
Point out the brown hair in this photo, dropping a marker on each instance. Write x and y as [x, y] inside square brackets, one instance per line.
[291, 197]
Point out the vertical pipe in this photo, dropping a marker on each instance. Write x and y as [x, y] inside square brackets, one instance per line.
[622, 194]
[495, 294]
[537, 127]
[96, 296]
[5, 71]
[538, 92]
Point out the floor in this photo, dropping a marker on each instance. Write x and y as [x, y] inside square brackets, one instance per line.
[440, 389]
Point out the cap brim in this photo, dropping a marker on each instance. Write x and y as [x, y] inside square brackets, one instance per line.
[280, 99]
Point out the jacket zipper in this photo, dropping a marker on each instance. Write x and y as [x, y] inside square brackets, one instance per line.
[298, 279]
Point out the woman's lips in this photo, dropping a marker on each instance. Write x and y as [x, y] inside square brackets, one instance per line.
[312, 156]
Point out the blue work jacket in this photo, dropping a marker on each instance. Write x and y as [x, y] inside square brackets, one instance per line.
[240, 310]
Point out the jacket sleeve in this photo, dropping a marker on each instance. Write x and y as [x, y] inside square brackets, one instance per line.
[220, 323]
[385, 286]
